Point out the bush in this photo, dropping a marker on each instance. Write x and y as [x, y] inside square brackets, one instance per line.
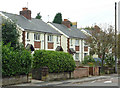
[15, 62]
[110, 61]
[10, 33]
[54, 60]
[88, 60]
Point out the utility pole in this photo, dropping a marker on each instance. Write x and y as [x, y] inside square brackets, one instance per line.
[115, 37]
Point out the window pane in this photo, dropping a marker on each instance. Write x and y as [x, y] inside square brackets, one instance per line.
[71, 41]
[38, 36]
[27, 35]
[77, 42]
[50, 38]
[57, 38]
[77, 56]
[34, 37]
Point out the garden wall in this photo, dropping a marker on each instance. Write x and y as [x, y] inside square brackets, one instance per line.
[93, 70]
[80, 72]
[15, 80]
[45, 76]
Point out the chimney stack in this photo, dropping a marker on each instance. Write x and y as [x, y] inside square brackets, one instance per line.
[26, 13]
[67, 23]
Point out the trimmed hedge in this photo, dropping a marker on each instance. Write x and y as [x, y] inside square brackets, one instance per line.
[54, 60]
[15, 62]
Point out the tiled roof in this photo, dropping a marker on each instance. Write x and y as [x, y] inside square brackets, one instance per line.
[31, 25]
[71, 32]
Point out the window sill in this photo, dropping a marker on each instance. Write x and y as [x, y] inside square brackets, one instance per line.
[50, 42]
[37, 40]
[58, 43]
[28, 40]
[77, 60]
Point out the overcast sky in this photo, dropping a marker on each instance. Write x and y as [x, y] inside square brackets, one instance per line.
[84, 12]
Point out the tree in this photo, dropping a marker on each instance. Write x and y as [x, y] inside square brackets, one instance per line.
[10, 33]
[38, 16]
[58, 18]
[89, 28]
[101, 42]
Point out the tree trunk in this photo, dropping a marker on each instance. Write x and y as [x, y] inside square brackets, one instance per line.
[102, 67]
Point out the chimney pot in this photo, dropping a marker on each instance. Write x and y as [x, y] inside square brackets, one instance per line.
[25, 8]
[65, 19]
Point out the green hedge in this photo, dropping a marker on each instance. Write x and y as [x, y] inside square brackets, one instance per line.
[15, 62]
[54, 60]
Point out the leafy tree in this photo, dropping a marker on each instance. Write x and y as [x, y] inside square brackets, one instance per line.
[110, 60]
[101, 42]
[58, 18]
[10, 33]
[38, 16]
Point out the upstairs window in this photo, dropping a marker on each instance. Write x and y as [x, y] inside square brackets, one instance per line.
[50, 38]
[77, 42]
[36, 36]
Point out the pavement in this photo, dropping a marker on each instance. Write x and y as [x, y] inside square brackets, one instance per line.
[56, 83]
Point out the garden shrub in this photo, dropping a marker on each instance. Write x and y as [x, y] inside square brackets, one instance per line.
[109, 60]
[15, 62]
[88, 60]
[54, 60]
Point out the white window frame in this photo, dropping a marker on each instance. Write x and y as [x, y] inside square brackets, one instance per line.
[71, 42]
[57, 39]
[50, 38]
[77, 56]
[37, 36]
[77, 42]
[28, 35]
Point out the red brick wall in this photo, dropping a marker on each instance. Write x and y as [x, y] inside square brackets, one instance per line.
[85, 48]
[37, 44]
[23, 38]
[77, 48]
[50, 45]
[80, 72]
[96, 71]
[68, 44]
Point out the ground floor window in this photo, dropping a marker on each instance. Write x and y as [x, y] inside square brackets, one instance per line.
[77, 56]
[85, 54]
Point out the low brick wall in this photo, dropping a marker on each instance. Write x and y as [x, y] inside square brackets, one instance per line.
[42, 74]
[92, 70]
[15, 80]
[56, 76]
[80, 72]
[77, 73]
